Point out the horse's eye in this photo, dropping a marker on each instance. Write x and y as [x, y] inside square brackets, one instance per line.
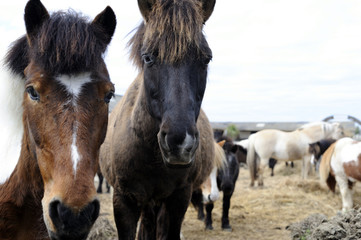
[148, 59]
[108, 96]
[34, 95]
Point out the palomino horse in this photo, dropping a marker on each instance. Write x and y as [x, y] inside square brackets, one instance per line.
[159, 144]
[286, 146]
[341, 164]
[65, 90]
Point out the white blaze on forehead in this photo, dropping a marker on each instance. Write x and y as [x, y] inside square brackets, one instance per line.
[75, 156]
[74, 84]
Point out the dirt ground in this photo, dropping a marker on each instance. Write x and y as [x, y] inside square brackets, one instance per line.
[256, 213]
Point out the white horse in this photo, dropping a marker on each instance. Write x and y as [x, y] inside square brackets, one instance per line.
[286, 146]
[341, 163]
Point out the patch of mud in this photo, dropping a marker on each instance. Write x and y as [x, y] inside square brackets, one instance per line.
[318, 226]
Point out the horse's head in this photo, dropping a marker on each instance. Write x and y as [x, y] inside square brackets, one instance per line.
[228, 175]
[65, 110]
[173, 53]
[315, 151]
[335, 131]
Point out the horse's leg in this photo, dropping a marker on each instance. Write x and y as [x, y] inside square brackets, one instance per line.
[108, 186]
[262, 166]
[305, 166]
[147, 228]
[346, 192]
[126, 215]
[208, 221]
[100, 176]
[226, 205]
[171, 214]
[197, 201]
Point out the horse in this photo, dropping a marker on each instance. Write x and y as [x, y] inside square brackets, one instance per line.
[226, 182]
[158, 147]
[241, 155]
[317, 149]
[209, 191]
[286, 146]
[62, 93]
[341, 164]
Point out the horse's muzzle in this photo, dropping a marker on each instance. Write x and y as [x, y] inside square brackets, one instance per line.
[178, 154]
[72, 225]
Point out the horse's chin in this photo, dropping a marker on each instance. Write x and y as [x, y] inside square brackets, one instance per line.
[177, 162]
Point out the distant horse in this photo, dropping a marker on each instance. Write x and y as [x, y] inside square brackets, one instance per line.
[341, 164]
[159, 144]
[209, 191]
[62, 94]
[317, 149]
[241, 155]
[226, 182]
[286, 146]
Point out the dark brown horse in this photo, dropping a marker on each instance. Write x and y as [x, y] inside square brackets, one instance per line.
[66, 89]
[159, 145]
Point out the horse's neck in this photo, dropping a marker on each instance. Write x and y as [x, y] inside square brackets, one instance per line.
[20, 200]
[11, 95]
[25, 181]
[313, 134]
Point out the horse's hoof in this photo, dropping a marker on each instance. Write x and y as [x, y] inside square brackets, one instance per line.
[227, 228]
[209, 227]
[201, 218]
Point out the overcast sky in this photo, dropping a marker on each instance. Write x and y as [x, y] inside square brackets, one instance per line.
[273, 60]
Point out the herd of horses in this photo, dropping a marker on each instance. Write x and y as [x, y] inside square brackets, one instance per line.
[156, 148]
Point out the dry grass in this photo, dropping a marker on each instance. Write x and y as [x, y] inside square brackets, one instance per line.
[261, 213]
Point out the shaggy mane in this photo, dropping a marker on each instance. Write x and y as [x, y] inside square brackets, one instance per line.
[174, 27]
[65, 44]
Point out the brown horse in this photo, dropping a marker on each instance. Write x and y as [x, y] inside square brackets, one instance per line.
[159, 146]
[59, 68]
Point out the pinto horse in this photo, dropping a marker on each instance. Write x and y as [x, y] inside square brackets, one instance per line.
[159, 144]
[341, 164]
[286, 146]
[227, 176]
[65, 88]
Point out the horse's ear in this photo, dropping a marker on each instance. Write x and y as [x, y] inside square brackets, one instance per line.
[207, 7]
[105, 22]
[221, 143]
[35, 15]
[145, 7]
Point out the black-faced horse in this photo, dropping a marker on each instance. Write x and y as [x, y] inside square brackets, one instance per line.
[64, 90]
[159, 145]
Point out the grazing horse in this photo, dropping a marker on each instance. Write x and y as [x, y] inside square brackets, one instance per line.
[159, 145]
[341, 164]
[317, 149]
[286, 146]
[62, 95]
